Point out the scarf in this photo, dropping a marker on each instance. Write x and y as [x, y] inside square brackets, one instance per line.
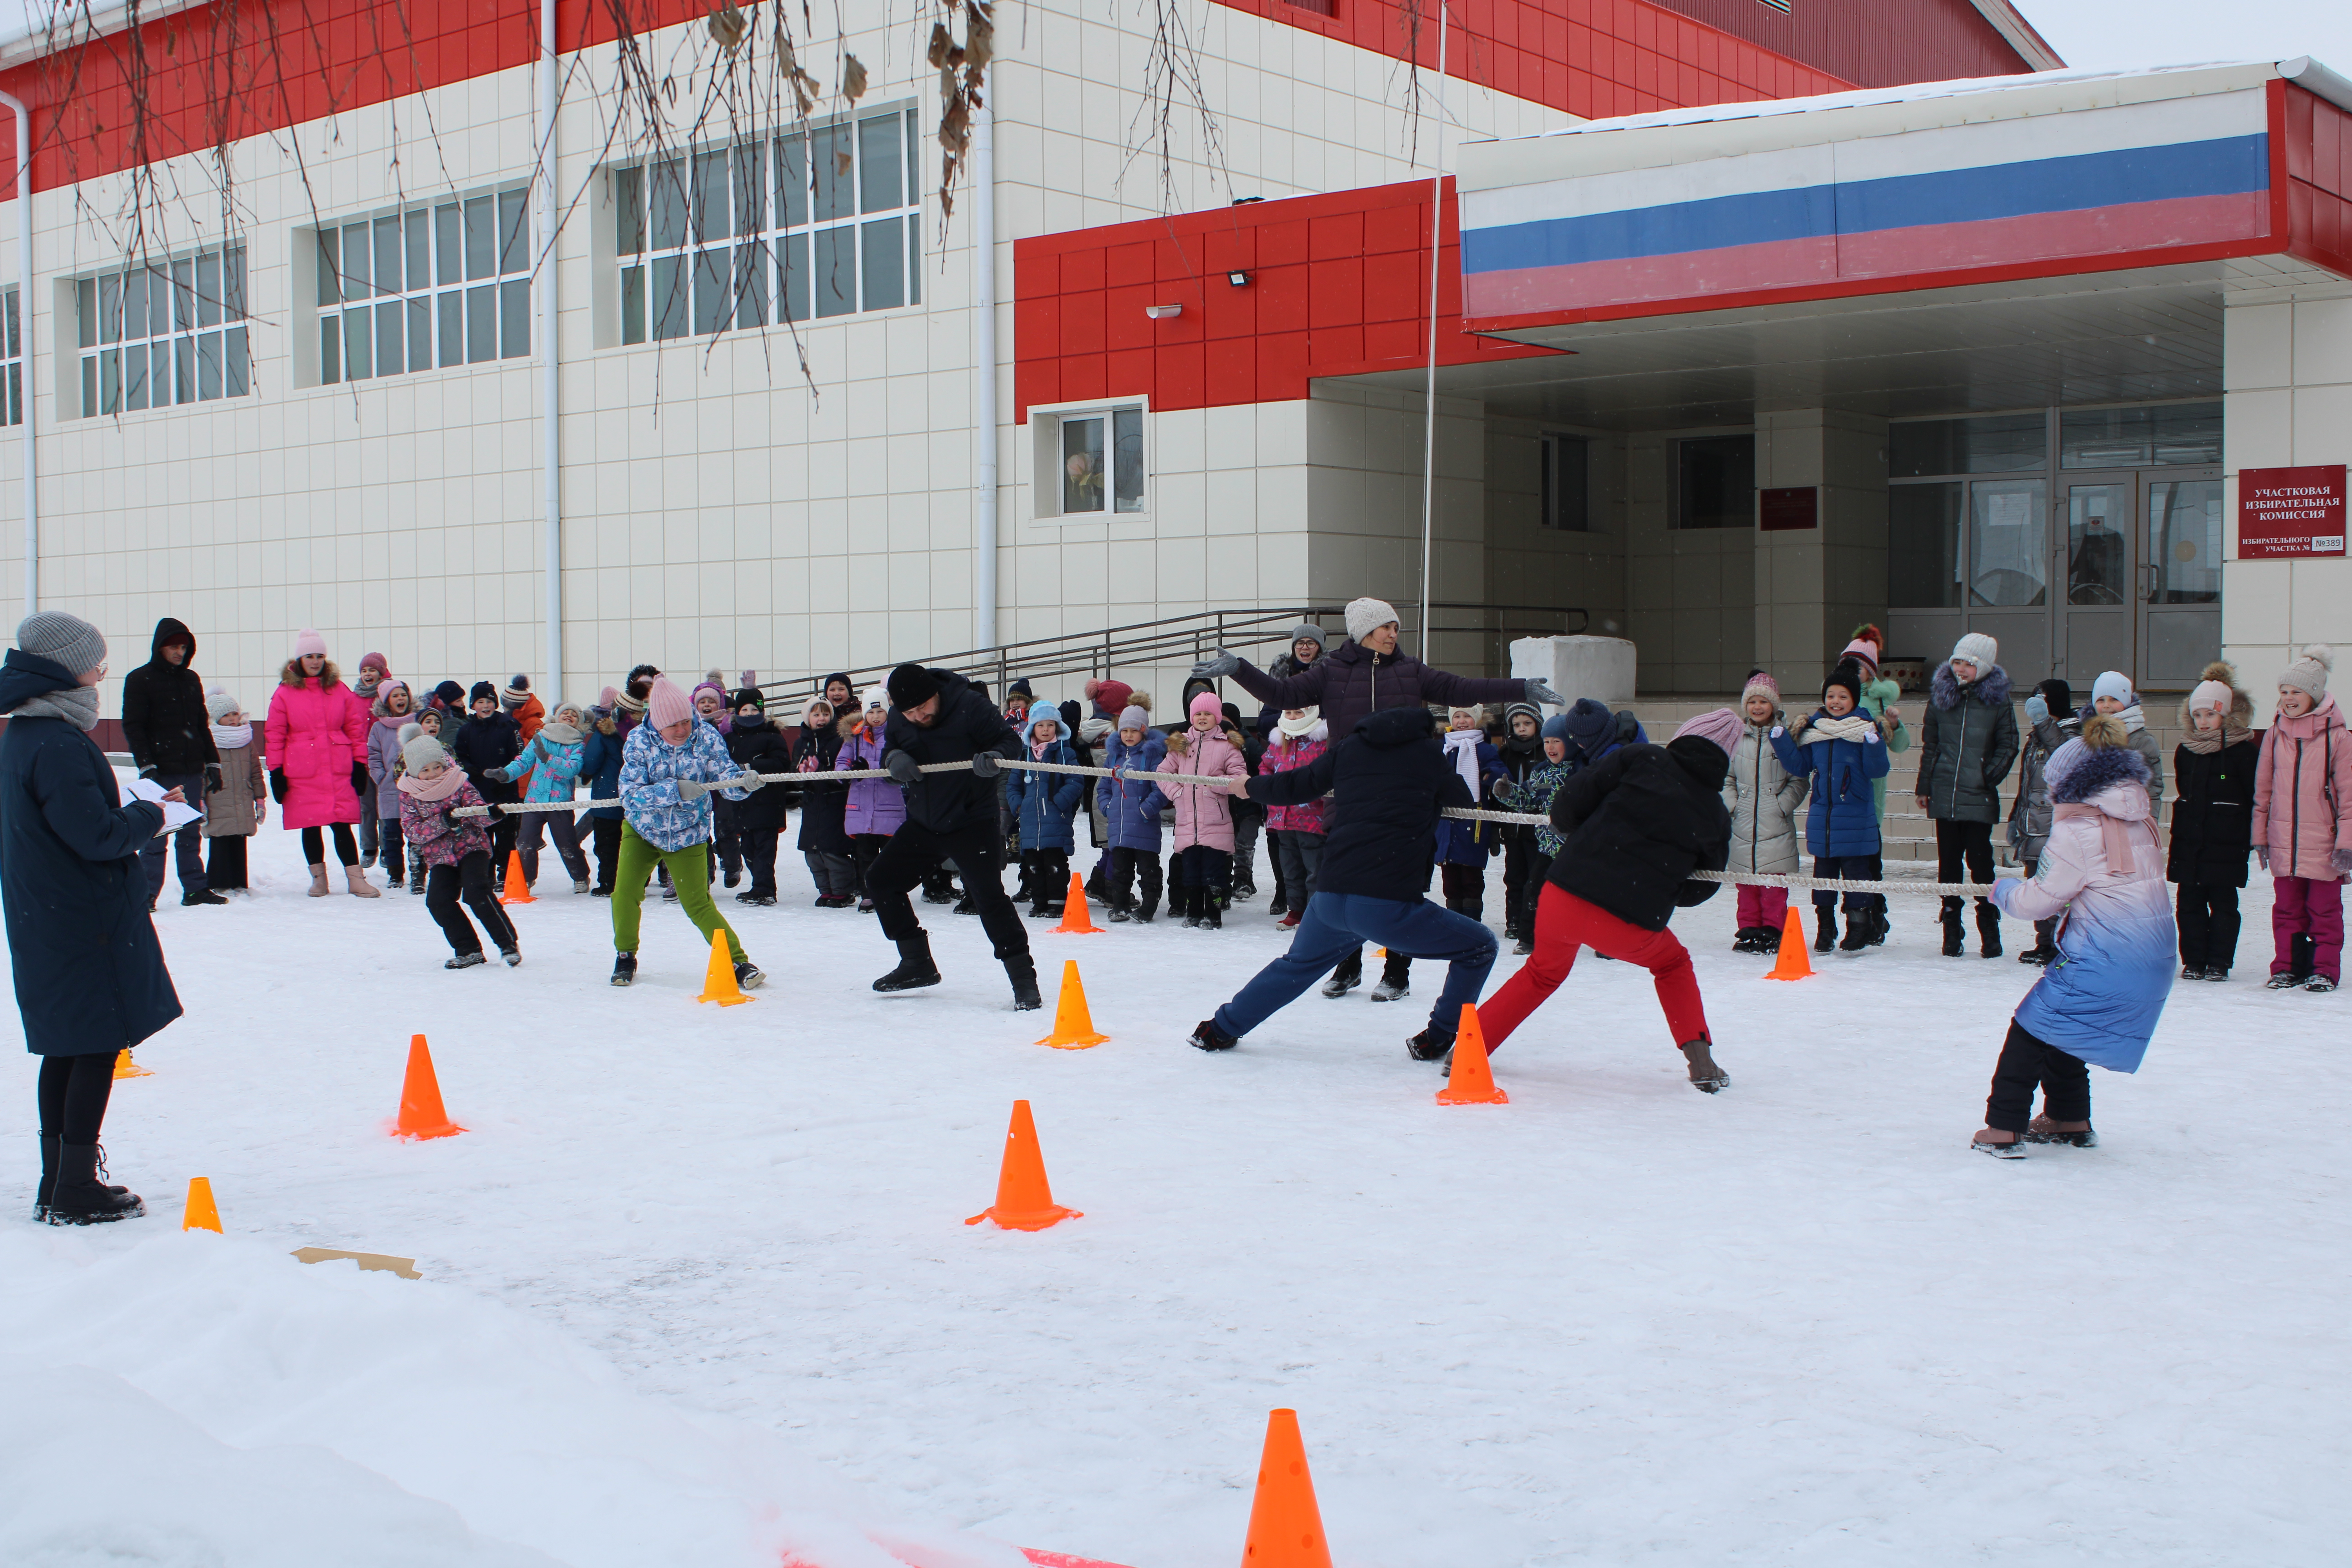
[1851, 729]
[2133, 721]
[438, 789]
[1462, 747]
[1309, 718]
[77, 705]
[2116, 835]
[229, 736]
[2205, 743]
[559, 734]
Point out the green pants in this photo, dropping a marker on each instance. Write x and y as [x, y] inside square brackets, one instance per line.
[689, 873]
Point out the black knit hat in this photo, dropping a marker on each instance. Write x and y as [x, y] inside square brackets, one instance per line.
[2057, 695]
[748, 698]
[1847, 674]
[911, 685]
[482, 689]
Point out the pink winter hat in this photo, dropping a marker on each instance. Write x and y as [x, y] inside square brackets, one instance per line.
[667, 705]
[307, 641]
[1864, 651]
[1720, 725]
[1206, 702]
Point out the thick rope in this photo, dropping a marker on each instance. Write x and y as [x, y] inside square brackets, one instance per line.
[1513, 819]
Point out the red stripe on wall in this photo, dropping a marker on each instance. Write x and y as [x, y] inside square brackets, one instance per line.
[212, 74]
[1771, 263]
[2105, 233]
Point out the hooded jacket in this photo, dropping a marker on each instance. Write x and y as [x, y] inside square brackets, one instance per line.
[90, 973]
[1043, 803]
[2303, 794]
[1130, 807]
[967, 725]
[1351, 680]
[383, 751]
[824, 807]
[1764, 797]
[1638, 822]
[2028, 818]
[2214, 817]
[875, 806]
[1968, 741]
[651, 769]
[600, 764]
[1844, 817]
[2099, 999]
[1203, 812]
[483, 746]
[1388, 779]
[164, 719]
[1288, 752]
[315, 732]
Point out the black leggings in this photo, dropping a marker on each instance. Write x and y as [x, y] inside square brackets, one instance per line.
[2028, 1062]
[1968, 844]
[468, 880]
[73, 1094]
[314, 848]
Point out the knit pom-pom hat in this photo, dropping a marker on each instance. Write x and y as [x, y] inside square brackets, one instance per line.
[1206, 702]
[516, 694]
[308, 641]
[1720, 725]
[667, 705]
[422, 753]
[1761, 681]
[219, 704]
[1847, 675]
[2308, 674]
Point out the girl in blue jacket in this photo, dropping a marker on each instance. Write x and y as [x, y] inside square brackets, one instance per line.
[1043, 806]
[1839, 750]
[1131, 808]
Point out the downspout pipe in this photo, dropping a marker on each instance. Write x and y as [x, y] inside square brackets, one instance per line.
[983, 402]
[551, 355]
[25, 345]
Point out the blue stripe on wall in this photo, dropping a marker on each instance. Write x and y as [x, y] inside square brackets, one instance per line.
[2220, 167]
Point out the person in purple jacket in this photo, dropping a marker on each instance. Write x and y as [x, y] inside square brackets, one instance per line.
[877, 806]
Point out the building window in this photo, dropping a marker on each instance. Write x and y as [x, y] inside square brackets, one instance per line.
[1566, 501]
[1089, 461]
[1714, 482]
[823, 222]
[163, 334]
[11, 385]
[441, 285]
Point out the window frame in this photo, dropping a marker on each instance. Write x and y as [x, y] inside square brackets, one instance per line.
[179, 279]
[440, 233]
[1047, 424]
[12, 357]
[774, 241]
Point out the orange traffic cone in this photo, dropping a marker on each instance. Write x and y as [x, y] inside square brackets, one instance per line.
[202, 1213]
[1286, 1528]
[517, 890]
[719, 980]
[1792, 963]
[421, 1115]
[1073, 911]
[125, 1067]
[1024, 1201]
[1472, 1081]
[1074, 1028]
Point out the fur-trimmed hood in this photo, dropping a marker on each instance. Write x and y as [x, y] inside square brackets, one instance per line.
[2236, 724]
[2079, 774]
[1991, 686]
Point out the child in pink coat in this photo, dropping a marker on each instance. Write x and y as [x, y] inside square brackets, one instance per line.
[1203, 868]
[2303, 825]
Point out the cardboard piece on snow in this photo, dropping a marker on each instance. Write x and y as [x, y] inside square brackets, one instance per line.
[403, 1266]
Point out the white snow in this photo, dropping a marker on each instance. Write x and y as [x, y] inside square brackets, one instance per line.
[698, 1287]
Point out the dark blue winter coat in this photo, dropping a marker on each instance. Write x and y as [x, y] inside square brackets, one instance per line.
[1843, 816]
[1463, 843]
[1042, 804]
[1386, 778]
[90, 973]
[600, 768]
[1131, 806]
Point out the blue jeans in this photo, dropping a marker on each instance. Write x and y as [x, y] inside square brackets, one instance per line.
[188, 842]
[1337, 924]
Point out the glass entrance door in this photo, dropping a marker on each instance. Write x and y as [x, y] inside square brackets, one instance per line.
[2181, 594]
[2098, 611]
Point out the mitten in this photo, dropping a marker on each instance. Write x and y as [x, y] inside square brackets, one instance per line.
[2341, 859]
[692, 789]
[278, 785]
[2036, 710]
[212, 778]
[903, 767]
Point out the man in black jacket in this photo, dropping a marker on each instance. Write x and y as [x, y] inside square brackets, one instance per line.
[1388, 781]
[937, 716]
[171, 741]
[1638, 822]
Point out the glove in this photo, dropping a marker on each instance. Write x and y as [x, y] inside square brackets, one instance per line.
[212, 778]
[495, 808]
[358, 778]
[984, 765]
[278, 785]
[692, 789]
[148, 771]
[2037, 712]
[1537, 691]
[2263, 853]
[2341, 859]
[1219, 664]
[903, 767]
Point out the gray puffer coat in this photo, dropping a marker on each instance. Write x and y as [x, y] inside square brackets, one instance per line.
[1764, 798]
[1968, 742]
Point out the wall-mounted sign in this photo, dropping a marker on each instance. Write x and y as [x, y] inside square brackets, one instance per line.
[2290, 512]
[1799, 506]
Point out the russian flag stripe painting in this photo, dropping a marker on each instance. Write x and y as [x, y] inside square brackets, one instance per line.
[1816, 215]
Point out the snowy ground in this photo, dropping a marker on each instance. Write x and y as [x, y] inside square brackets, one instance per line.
[698, 1283]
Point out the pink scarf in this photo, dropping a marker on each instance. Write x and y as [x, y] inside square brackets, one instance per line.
[439, 789]
[2116, 836]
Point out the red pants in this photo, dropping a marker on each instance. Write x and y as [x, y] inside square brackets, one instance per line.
[1761, 907]
[1564, 923]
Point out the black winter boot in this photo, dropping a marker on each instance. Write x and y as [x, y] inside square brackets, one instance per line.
[1825, 937]
[625, 969]
[48, 1179]
[915, 969]
[1215, 916]
[1955, 932]
[1189, 900]
[1857, 931]
[80, 1198]
[1023, 973]
[1347, 976]
[1988, 930]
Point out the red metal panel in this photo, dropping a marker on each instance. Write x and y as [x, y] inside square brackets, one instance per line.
[2318, 154]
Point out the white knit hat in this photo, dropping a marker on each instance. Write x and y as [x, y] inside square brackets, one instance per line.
[877, 696]
[1366, 615]
[2308, 674]
[219, 704]
[1977, 649]
[2112, 683]
[2213, 694]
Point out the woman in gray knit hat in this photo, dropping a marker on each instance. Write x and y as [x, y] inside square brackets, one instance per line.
[90, 980]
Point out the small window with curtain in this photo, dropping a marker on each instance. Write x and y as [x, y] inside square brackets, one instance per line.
[822, 222]
[1090, 462]
[425, 288]
[162, 333]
